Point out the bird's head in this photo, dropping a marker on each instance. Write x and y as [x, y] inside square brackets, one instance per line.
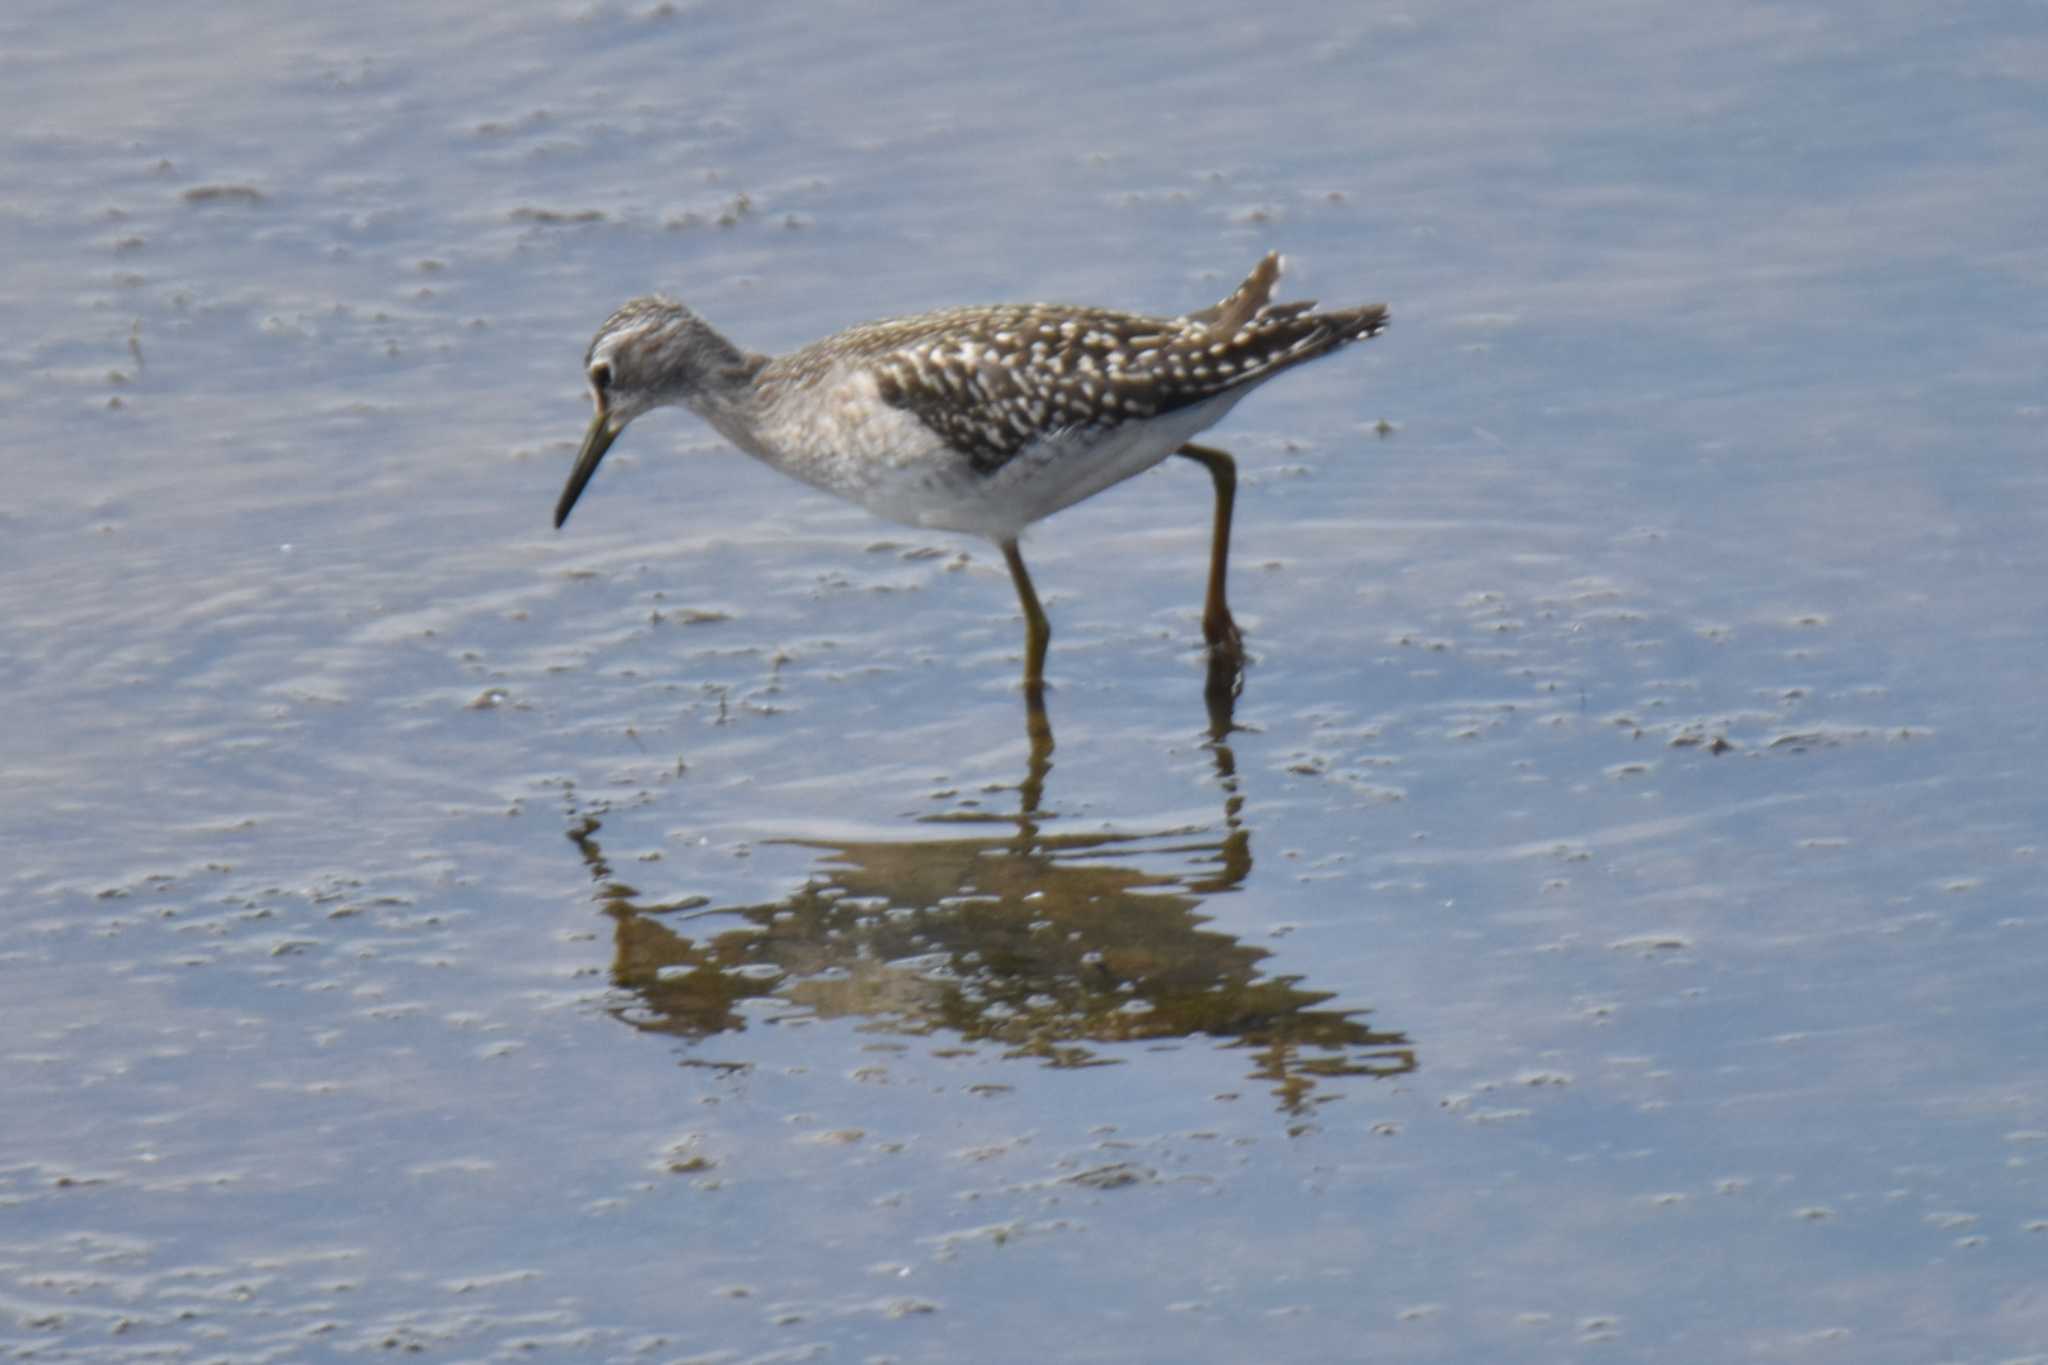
[650, 353]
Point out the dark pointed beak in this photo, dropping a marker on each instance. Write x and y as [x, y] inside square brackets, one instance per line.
[595, 443]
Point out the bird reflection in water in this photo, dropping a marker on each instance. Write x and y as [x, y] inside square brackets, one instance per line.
[1050, 945]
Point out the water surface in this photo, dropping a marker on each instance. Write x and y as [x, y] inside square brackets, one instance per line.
[1607, 924]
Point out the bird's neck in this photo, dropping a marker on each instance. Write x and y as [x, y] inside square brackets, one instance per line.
[727, 398]
[708, 350]
[710, 372]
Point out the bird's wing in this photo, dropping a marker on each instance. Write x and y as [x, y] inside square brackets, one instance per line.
[991, 381]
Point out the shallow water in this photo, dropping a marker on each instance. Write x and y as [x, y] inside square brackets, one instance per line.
[1608, 922]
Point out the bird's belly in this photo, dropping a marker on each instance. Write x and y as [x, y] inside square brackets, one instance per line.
[1052, 473]
[857, 447]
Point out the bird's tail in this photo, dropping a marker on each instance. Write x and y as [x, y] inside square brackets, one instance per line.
[1244, 302]
[1250, 302]
[1355, 324]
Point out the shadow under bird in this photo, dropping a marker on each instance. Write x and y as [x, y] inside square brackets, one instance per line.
[981, 420]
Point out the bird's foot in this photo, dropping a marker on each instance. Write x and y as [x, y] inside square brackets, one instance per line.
[1226, 661]
[1225, 639]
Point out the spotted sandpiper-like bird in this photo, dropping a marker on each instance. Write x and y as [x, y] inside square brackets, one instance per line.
[981, 420]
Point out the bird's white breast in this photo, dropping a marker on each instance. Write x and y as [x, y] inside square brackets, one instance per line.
[843, 438]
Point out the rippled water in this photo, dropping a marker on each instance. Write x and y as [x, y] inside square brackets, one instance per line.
[1608, 921]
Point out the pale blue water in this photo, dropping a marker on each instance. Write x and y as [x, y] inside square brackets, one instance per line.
[655, 941]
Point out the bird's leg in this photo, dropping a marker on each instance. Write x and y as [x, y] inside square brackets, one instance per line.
[1037, 632]
[1038, 732]
[1217, 628]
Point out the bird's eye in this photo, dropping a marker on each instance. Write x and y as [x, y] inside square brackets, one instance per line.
[600, 376]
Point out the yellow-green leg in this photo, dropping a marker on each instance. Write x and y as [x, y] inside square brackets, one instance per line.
[1217, 628]
[1037, 631]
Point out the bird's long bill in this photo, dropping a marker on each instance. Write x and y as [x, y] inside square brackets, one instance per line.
[595, 443]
